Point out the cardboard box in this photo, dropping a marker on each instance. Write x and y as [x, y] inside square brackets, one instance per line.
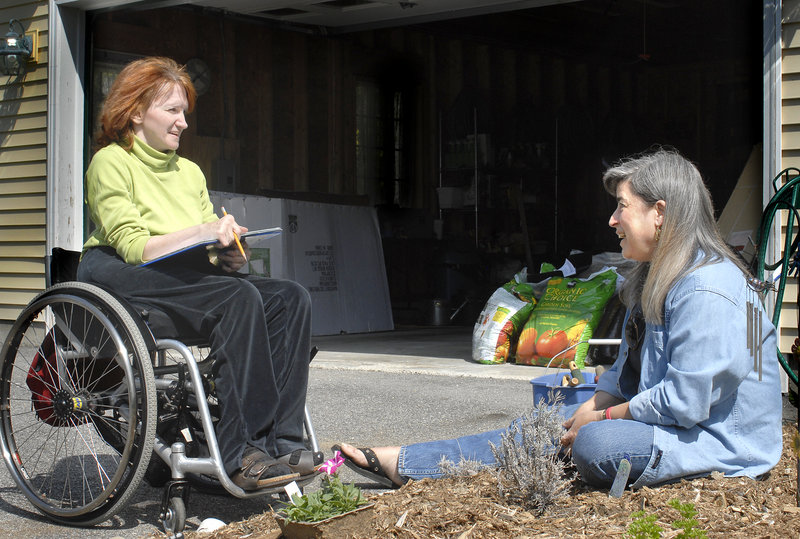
[333, 250]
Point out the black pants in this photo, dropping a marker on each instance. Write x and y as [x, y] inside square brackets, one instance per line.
[259, 330]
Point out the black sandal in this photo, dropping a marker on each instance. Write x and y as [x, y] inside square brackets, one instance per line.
[259, 470]
[373, 471]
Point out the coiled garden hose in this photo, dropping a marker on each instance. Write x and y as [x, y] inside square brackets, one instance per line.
[787, 197]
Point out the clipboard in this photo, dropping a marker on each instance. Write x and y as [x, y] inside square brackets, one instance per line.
[256, 235]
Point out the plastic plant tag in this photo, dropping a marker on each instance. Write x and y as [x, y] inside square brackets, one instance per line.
[292, 490]
[621, 479]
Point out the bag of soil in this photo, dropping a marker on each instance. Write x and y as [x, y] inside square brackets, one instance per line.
[500, 322]
[564, 319]
[610, 326]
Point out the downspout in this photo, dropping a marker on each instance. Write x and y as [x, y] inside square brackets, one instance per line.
[771, 160]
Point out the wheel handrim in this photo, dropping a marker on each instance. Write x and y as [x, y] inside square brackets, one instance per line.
[68, 469]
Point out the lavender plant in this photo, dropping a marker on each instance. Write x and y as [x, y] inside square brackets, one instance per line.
[463, 468]
[530, 471]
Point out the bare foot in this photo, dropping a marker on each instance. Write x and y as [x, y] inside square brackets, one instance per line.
[387, 457]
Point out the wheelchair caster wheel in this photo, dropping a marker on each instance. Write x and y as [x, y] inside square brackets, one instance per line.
[174, 519]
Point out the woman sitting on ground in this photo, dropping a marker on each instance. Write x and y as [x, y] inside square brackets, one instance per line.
[683, 398]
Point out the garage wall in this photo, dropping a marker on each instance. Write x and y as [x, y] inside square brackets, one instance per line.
[274, 106]
[23, 124]
[281, 106]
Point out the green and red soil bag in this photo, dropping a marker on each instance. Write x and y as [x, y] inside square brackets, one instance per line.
[500, 323]
[564, 319]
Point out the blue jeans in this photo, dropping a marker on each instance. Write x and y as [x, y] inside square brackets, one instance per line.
[596, 453]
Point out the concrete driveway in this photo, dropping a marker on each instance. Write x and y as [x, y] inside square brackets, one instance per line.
[369, 389]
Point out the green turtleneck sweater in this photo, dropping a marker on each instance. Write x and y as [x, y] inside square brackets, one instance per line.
[142, 193]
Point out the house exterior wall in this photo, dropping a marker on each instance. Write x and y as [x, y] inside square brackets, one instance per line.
[790, 145]
[23, 163]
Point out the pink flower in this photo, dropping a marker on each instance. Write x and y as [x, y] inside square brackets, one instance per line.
[331, 465]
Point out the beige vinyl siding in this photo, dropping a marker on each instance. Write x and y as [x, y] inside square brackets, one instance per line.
[23, 159]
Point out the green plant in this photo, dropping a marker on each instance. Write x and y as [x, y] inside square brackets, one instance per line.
[334, 498]
[687, 522]
[644, 526]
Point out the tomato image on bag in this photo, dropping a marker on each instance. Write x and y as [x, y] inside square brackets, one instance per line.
[564, 319]
[551, 343]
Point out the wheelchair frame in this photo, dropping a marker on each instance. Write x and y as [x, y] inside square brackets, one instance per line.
[83, 381]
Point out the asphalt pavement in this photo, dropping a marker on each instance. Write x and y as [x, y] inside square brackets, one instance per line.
[385, 388]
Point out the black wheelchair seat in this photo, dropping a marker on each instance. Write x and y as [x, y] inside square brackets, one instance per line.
[63, 267]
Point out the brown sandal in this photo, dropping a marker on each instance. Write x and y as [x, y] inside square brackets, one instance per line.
[302, 461]
[259, 470]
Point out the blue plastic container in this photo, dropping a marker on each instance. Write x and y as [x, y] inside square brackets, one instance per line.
[572, 395]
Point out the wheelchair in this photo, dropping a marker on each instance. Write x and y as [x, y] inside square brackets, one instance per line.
[97, 394]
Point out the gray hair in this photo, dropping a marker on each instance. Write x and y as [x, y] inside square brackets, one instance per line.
[689, 234]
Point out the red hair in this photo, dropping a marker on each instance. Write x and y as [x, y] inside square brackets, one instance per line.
[137, 86]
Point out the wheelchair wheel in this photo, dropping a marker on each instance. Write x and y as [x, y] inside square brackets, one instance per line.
[77, 404]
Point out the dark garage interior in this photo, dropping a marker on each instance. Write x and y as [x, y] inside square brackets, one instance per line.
[480, 140]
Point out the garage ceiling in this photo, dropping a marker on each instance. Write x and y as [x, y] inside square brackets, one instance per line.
[350, 15]
[629, 31]
[653, 31]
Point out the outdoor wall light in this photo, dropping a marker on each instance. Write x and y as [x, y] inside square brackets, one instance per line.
[15, 50]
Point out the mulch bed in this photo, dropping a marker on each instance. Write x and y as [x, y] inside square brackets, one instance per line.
[472, 508]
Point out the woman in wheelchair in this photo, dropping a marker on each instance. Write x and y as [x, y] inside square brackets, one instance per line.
[687, 395]
[146, 201]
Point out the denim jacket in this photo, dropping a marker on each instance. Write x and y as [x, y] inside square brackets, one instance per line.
[699, 386]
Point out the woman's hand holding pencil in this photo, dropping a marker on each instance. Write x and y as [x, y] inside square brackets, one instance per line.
[236, 238]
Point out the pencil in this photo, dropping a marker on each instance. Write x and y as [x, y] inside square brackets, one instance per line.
[236, 237]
